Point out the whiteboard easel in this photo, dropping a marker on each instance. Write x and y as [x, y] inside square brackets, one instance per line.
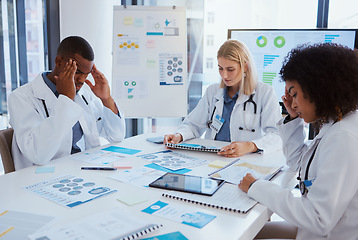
[149, 72]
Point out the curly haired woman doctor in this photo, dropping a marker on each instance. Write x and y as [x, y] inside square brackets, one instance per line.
[321, 88]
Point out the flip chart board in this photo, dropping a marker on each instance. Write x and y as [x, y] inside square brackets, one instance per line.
[149, 64]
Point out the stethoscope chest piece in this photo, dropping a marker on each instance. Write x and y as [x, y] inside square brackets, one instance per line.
[250, 100]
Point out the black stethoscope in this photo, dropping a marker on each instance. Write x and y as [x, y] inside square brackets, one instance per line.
[250, 100]
[45, 107]
[304, 184]
[211, 119]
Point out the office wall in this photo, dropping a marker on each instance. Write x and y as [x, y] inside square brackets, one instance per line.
[92, 20]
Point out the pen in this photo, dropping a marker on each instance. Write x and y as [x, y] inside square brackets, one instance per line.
[270, 177]
[98, 168]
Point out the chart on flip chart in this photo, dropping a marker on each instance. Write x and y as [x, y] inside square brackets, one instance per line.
[150, 61]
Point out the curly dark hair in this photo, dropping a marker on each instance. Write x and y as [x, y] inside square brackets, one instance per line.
[328, 76]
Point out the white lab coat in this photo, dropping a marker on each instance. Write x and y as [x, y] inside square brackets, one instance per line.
[265, 137]
[39, 139]
[330, 209]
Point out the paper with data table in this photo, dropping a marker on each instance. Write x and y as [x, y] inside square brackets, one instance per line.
[18, 224]
[99, 157]
[106, 155]
[111, 224]
[138, 177]
[237, 170]
[172, 160]
[178, 213]
[68, 190]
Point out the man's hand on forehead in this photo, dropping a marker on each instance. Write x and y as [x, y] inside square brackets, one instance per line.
[78, 64]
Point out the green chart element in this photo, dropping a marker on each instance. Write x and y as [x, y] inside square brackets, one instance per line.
[279, 41]
[261, 41]
[268, 77]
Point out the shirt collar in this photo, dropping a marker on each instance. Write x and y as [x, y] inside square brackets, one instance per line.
[227, 98]
[49, 83]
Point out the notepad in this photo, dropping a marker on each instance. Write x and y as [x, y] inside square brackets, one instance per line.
[228, 198]
[111, 224]
[193, 147]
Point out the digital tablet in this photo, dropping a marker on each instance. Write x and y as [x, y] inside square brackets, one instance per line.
[188, 183]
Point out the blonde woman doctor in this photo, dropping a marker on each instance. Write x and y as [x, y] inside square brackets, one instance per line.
[239, 110]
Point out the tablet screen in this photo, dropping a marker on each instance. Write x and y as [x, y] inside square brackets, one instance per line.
[188, 183]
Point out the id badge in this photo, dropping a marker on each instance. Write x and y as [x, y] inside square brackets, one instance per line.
[217, 123]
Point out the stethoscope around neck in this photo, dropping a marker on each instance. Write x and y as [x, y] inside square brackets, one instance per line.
[250, 100]
[306, 183]
[46, 110]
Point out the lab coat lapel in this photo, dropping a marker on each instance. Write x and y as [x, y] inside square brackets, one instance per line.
[89, 127]
[314, 144]
[218, 104]
[43, 92]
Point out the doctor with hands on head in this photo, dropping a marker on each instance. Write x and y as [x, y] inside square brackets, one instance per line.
[321, 89]
[239, 110]
[67, 85]
[54, 116]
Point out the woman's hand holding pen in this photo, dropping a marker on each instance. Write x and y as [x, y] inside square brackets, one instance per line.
[173, 138]
[237, 149]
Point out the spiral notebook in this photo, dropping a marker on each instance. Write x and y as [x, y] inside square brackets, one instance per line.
[193, 147]
[111, 224]
[228, 198]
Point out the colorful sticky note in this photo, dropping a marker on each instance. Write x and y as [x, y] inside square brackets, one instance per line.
[218, 164]
[122, 165]
[45, 170]
[138, 22]
[128, 20]
[123, 150]
[150, 43]
[151, 63]
[168, 236]
[131, 199]
[157, 167]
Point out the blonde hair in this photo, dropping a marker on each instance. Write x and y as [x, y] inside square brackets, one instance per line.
[237, 51]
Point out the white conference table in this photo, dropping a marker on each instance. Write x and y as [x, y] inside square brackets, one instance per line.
[226, 225]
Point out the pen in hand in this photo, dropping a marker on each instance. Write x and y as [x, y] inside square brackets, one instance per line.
[99, 168]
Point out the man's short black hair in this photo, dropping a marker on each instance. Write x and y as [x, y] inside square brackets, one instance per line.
[75, 45]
